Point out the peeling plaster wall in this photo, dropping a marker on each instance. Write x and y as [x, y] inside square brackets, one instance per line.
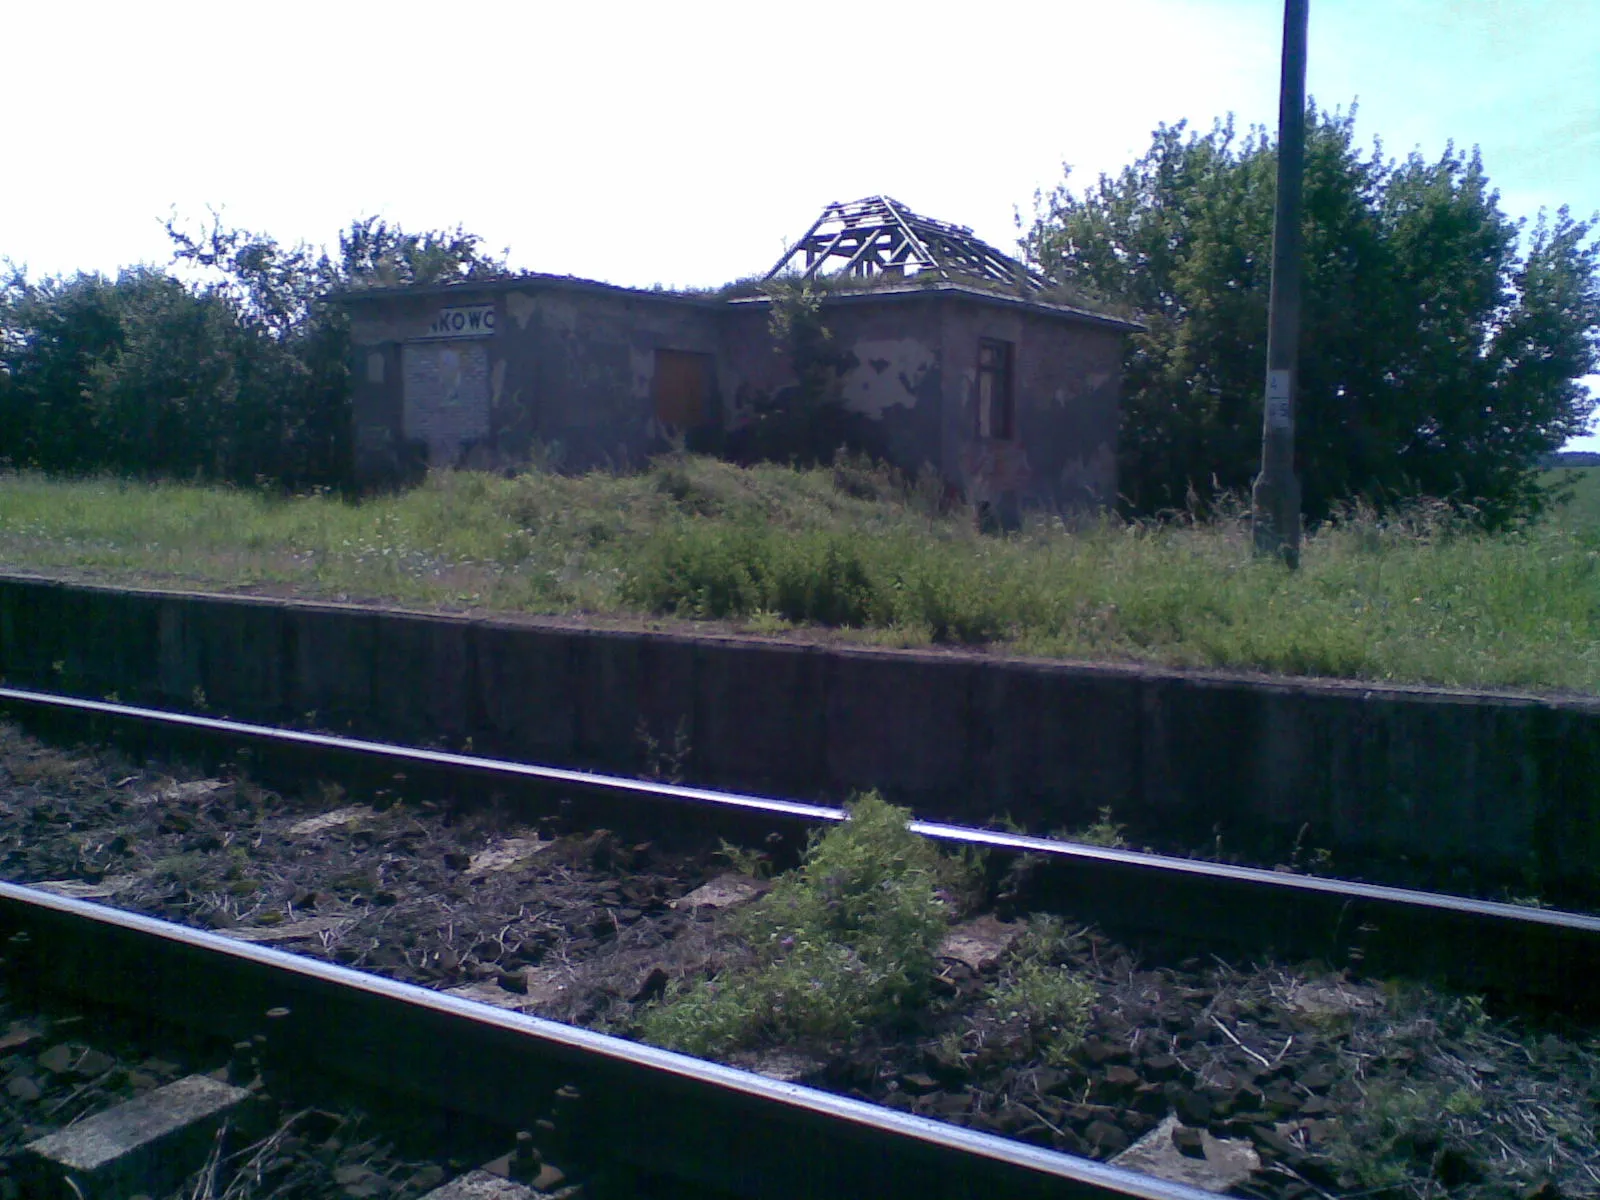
[1067, 381]
[580, 371]
[570, 370]
[751, 367]
[378, 331]
[1069, 389]
[895, 377]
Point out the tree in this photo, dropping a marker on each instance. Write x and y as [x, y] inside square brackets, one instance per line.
[298, 345]
[135, 374]
[1437, 355]
[240, 374]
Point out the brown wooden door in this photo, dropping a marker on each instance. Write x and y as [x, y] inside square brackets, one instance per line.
[682, 388]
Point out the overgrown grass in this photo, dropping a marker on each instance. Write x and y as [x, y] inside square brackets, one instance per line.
[846, 940]
[1046, 1003]
[1447, 1111]
[870, 557]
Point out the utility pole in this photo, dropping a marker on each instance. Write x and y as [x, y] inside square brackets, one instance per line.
[1275, 499]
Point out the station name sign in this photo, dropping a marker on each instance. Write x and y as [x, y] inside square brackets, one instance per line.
[476, 320]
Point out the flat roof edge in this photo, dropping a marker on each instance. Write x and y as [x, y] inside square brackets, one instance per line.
[983, 295]
[510, 283]
[533, 280]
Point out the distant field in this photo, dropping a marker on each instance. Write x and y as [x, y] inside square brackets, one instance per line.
[850, 553]
[1583, 510]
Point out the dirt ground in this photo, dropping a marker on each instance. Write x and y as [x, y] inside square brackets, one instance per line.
[1262, 1079]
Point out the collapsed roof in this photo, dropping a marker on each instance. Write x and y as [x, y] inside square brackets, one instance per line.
[879, 236]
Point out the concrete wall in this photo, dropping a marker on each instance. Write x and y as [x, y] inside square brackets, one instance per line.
[1509, 785]
[896, 349]
[1068, 376]
[570, 368]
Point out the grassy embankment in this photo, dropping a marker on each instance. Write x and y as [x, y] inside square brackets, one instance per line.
[769, 549]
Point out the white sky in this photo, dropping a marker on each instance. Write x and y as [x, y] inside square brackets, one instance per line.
[686, 143]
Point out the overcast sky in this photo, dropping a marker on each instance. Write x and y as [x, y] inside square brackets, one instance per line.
[686, 143]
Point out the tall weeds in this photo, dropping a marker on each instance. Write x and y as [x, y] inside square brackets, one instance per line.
[1413, 596]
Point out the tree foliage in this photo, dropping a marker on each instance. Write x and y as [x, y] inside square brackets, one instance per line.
[1441, 342]
[236, 371]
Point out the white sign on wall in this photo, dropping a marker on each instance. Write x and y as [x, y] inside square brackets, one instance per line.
[475, 320]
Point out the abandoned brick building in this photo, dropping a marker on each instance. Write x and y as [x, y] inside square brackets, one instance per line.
[949, 351]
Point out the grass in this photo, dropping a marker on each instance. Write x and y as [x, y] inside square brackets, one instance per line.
[848, 943]
[845, 941]
[1047, 1003]
[1446, 1109]
[1582, 510]
[868, 557]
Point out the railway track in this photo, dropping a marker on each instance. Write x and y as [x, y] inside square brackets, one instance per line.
[665, 1114]
[685, 1119]
[101, 1104]
[1548, 957]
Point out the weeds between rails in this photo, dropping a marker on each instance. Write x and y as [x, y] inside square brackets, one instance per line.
[1059, 1035]
[1374, 1088]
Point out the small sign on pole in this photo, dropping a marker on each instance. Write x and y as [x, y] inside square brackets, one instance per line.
[1280, 400]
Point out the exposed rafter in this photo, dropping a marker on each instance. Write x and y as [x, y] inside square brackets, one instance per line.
[879, 236]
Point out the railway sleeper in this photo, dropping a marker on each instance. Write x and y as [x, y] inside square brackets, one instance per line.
[149, 1144]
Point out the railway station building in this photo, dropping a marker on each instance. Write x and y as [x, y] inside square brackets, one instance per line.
[951, 352]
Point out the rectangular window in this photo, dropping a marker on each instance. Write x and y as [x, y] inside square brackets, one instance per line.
[682, 388]
[996, 402]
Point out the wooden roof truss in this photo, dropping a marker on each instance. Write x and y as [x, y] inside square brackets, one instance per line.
[879, 236]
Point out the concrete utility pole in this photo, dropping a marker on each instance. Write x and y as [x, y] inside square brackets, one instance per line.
[1276, 495]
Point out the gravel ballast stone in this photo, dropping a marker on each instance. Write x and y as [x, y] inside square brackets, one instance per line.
[1337, 1084]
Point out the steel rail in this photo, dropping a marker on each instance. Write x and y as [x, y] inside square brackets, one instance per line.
[1547, 956]
[425, 757]
[657, 1110]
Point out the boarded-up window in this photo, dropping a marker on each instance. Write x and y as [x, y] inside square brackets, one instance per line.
[996, 401]
[446, 396]
[682, 388]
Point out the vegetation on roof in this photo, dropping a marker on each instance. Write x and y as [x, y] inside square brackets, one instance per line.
[761, 287]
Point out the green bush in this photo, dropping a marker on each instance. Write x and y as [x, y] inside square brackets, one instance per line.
[720, 570]
[1040, 996]
[706, 570]
[846, 940]
[947, 597]
[824, 579]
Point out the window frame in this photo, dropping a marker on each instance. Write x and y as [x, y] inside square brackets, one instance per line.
[996, 404]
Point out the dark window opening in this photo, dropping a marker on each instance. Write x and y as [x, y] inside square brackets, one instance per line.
[996, 402]
[682, 388]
